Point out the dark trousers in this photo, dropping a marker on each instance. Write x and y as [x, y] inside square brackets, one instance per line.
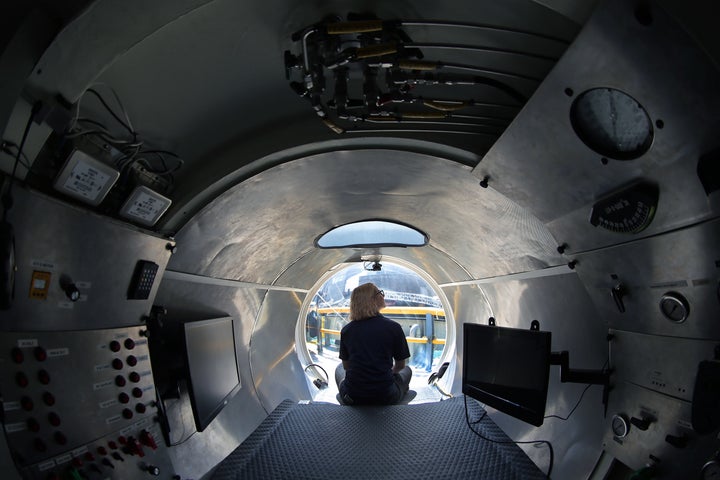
[402, 384]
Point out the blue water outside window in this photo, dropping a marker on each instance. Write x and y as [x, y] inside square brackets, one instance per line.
[372, 233]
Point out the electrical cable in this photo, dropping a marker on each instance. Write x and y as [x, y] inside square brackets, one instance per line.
[577, 404]
[6, 145]
[327, 377]
[7, 200]
[112, 112]
[575, 407]
[534, 442]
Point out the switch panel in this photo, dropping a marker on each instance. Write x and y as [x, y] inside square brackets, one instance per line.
[63, 390]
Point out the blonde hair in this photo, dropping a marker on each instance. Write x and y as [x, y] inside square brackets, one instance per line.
[362, 302]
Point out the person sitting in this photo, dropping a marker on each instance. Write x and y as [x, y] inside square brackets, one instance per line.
[374, 353]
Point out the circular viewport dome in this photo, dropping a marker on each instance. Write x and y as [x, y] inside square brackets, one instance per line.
[612, 123]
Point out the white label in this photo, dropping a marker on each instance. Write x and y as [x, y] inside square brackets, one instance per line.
[15, 427]
[46, 465]
[42, 265]
[79, 451]
[85, 180]
[10, 406]
[146, 373]
[127, 431]
[27, 342]
[684, 423]
[108, 403]
[83, 298]
[63, 459]
[101, 385]
[83, 285]
[147, 388]
[146, 207]
[66, 305]
[114, 419]
[100, 368]
[142, 358]
[58, 352]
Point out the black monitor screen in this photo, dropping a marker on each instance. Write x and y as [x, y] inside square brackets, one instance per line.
[507, 369]
[212, 367]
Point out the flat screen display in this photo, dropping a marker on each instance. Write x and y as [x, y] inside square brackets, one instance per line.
[507, 369]
[212, 367]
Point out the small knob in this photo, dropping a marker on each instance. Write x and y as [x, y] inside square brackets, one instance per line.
[72, 292]
[640, 423]
[677, 441]
[152, 470]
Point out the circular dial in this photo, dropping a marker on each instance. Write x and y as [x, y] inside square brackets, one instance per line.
[674, 307]
[619, 426]
[711, 470]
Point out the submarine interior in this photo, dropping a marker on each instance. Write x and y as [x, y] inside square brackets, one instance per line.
[190, 188]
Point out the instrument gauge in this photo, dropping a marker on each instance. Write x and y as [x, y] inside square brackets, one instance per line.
[711, 470]
[674, 307]
[619, 425]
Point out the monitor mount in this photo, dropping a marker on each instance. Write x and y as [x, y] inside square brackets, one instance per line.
[574, 375]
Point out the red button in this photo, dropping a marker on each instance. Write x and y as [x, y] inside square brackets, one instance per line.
[120, 381]
[117, 364]
[131, 360]
[49, 399]
[127, 413]
[33, 425]
[122, 439]
[102, 450]
[134, 377]
[17, 355]
[114, 346]
[21, 379]
[60, 438]
[44, 377]
[26, 403]
[137, 392]
[140, 408]
[54, 419]
[129, 343]
[123, 397]
[89, 456]
[40, 445]
[112, 445]
[40, 354]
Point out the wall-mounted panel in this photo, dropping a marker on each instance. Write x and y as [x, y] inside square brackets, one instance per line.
[60, 247]
[685, 263]
[627, 48]
[668, 443]
[80, 401]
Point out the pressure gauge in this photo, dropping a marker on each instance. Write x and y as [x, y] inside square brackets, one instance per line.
[619, 425]
[674, 307]
[711, 470]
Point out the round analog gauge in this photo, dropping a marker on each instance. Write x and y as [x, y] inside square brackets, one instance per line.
[674, 307]
[619, 426]
[711, 470]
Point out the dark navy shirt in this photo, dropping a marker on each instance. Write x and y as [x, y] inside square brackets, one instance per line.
[369, 346]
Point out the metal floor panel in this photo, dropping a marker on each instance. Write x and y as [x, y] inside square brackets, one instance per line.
[425, 441]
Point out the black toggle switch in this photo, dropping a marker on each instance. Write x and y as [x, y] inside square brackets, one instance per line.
[677, 441]
[641, 424]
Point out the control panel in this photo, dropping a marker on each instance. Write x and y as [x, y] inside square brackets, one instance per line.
[81, 404]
